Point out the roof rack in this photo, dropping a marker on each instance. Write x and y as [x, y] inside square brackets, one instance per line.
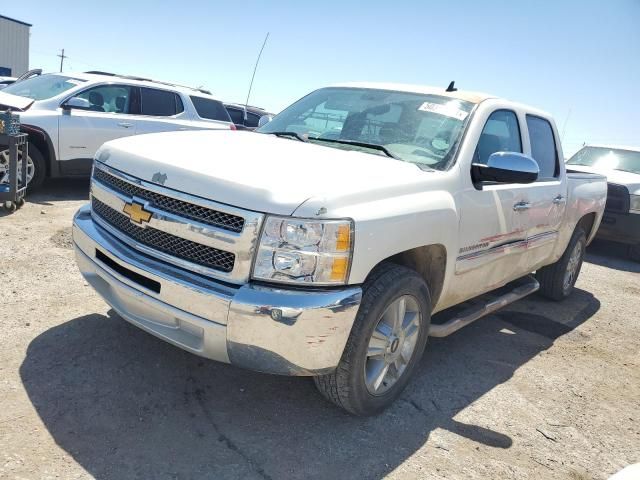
[143, 79]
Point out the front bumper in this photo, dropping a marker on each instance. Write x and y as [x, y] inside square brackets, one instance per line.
[274, 330]
[623, 228]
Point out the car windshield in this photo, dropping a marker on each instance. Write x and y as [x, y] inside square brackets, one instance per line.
[417, 128]
[42, 87]
[607, 159]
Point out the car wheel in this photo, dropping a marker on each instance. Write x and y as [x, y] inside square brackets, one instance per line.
[36, 170]
[385, 345]
[558, 279]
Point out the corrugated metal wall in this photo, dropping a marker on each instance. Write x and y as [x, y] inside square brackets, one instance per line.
[14, 46]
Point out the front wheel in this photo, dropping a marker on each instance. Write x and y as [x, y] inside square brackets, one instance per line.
[386, 342]
[36, 170]
[558, 279]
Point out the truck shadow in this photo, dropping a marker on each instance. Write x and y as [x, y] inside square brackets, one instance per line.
[126, 405]
[611, 255]
[61, 189]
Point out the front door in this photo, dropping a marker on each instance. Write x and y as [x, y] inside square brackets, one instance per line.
[105, 116]
[494, 220]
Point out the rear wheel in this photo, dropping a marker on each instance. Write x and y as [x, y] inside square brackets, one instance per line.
[386, 343]
[558, 279]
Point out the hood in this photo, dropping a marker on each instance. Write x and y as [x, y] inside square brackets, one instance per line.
[628, 179]
[15, 101]
[259, 172]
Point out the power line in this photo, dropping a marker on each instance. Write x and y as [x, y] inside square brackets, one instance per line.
[62, 57]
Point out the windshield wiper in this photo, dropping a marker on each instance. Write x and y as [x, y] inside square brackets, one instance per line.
[287, 134]
[373, 146]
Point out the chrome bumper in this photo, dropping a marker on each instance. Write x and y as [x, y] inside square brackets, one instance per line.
[274, 330]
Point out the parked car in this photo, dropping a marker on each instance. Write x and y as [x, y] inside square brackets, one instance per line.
[69, 116]
[246, 117]
[377, 207]
[621, 166]
[4, 81]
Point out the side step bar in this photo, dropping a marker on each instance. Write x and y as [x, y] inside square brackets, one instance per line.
[523, 287]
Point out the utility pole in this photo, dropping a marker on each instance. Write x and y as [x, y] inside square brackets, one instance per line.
[62, 57]
[246, 104]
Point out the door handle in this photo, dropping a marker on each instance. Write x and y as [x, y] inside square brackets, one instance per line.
[559, 199]
[125, 124]
[521, 206]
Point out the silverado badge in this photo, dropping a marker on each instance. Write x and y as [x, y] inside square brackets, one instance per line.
[137, 213]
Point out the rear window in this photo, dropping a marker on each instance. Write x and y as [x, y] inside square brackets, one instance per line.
[543, 146]
[160, 103]
[252, 120]
[210, 109]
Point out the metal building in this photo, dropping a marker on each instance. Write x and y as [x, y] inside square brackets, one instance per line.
[14, 47]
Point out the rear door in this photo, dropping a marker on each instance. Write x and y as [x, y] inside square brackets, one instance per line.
[105, 116]
[548, 196]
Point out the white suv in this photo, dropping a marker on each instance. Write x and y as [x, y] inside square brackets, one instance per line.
[69, 116]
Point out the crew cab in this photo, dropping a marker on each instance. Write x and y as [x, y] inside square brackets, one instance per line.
[337, 239]
[621, 166]
[69, 116]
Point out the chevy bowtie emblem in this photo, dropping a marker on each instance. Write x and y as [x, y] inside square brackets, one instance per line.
[137, 213]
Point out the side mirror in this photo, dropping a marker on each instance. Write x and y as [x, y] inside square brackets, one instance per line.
[264, 120]
[76, 102]
[506, 167]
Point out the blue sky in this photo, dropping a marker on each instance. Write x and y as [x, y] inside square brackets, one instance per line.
[579, 60]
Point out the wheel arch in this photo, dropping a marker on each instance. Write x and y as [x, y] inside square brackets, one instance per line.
[588, 222]
[428, 261]
[41, 140]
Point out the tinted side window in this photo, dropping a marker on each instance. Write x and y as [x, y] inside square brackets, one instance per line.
[252, 120]
[159, 103]
[501, 133]
[236, 115]
[210, 109]
[543, 146]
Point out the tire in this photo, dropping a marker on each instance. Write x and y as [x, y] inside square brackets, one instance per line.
[39, 167]
[634, 253]
[556, 282]
[347, 387]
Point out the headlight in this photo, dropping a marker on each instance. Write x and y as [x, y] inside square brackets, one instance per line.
[634, 206]
[304, 251]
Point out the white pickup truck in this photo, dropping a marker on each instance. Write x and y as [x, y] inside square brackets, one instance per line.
[326, 244]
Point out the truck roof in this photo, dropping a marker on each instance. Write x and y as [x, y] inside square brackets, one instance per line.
[469, 96]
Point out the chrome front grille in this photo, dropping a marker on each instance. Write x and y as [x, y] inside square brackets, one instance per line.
[204, 215]
[193, 233]
[165, 242]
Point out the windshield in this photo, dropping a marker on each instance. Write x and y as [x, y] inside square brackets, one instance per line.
[42, 87]
[417, 128]
[607, 159]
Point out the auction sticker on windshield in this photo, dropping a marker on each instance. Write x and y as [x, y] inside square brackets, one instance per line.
[445, 110]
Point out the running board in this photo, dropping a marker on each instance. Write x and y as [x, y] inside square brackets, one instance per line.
[523, 287]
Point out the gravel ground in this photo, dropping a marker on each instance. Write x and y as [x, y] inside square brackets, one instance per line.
[541, 390]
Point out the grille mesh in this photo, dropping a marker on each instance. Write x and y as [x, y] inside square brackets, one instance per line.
[204, 215]
[617, 198]
[165, 242]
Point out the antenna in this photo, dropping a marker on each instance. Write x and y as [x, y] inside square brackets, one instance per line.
[451, 87]
[246, 104]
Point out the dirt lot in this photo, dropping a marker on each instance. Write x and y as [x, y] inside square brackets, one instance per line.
[543, 390]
